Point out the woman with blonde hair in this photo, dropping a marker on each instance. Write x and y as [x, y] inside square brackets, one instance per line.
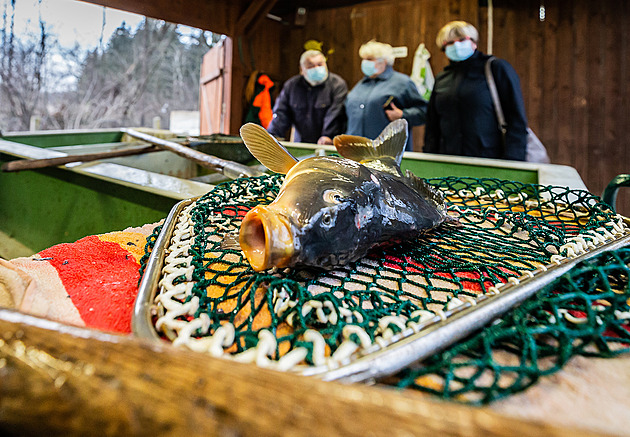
[382, 95]
[461, 118]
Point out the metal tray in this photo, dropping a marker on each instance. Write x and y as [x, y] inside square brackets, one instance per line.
[403, 349]
[141, 322]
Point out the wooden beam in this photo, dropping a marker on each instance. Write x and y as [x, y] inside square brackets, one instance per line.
[255, 13]
[64, 380]
[217, 16]
[211, 76]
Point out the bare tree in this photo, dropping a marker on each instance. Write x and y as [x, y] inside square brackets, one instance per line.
[125, 81]
[107, 98]
[21, 70]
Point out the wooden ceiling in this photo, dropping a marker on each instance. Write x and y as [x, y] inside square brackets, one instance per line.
[288, 7]
[232, 18]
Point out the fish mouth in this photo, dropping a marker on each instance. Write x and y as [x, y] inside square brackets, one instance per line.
[265, 238]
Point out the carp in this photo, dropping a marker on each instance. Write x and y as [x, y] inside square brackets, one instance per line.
[332, 210]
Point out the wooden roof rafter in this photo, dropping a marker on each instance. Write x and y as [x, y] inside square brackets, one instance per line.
[255, 13]
[217, 16]
[232, 18]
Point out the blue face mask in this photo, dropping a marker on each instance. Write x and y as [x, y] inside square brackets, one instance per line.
[316, 75]
[368, 67]
[459, 50]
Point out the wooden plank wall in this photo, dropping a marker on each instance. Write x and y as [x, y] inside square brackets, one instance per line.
[256, 51]
[574, 73]
[573, 66]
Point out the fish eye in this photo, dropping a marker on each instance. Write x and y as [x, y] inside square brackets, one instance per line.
[326, 219]
[333, 196]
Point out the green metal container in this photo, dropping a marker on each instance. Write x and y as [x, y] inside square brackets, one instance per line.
[40, 208]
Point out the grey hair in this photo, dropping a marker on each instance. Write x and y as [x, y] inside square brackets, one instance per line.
[377, 50]
[310, 54]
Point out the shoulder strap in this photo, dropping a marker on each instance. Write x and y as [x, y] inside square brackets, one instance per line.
[495, 95]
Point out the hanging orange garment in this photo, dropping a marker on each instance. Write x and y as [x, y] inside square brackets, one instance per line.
[263, 101]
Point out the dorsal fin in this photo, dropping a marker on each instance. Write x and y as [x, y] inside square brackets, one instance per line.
[390, 143]
[266, 148]
[429, 192]
[354, 147]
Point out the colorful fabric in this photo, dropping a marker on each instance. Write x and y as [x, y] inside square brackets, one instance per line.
[92, 282]
[421, 72]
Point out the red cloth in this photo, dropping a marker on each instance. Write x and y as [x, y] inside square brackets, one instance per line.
[92, 282]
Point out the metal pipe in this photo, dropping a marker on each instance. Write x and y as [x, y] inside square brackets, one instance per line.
[230, 169]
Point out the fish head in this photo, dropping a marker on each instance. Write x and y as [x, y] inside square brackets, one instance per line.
[317, 219]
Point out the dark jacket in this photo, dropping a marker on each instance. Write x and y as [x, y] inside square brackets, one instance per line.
[315, 111]
[461, 119]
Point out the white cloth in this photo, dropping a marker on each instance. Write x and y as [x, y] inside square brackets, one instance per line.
[421, 73]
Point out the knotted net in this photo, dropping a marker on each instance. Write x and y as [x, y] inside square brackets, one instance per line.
[211, 301]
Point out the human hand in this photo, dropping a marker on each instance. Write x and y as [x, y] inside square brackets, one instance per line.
[393, 112]
[324, 140]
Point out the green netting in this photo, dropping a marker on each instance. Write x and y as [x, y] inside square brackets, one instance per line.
[584, 312]
[505, 230]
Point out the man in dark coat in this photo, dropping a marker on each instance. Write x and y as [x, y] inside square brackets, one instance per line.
[312, 102]
[461, 119]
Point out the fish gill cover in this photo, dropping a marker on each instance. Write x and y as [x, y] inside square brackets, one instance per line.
[210, 300]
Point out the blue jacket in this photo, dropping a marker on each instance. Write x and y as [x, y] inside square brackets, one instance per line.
[315, 111]
[364, 105]
[461, 118]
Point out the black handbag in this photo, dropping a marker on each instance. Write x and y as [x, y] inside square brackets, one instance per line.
[536, 151]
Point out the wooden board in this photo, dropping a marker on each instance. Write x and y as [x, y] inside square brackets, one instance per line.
[215, 88]
[58, 379]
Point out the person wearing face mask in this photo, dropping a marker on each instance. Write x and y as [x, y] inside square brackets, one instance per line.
[382, 95]
[312, 102]
[461, 118]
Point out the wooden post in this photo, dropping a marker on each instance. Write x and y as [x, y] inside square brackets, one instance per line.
[35, 123]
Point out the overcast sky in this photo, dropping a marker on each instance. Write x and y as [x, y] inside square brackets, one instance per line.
[71, 20]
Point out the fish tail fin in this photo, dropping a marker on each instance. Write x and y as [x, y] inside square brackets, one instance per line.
[390, 143]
